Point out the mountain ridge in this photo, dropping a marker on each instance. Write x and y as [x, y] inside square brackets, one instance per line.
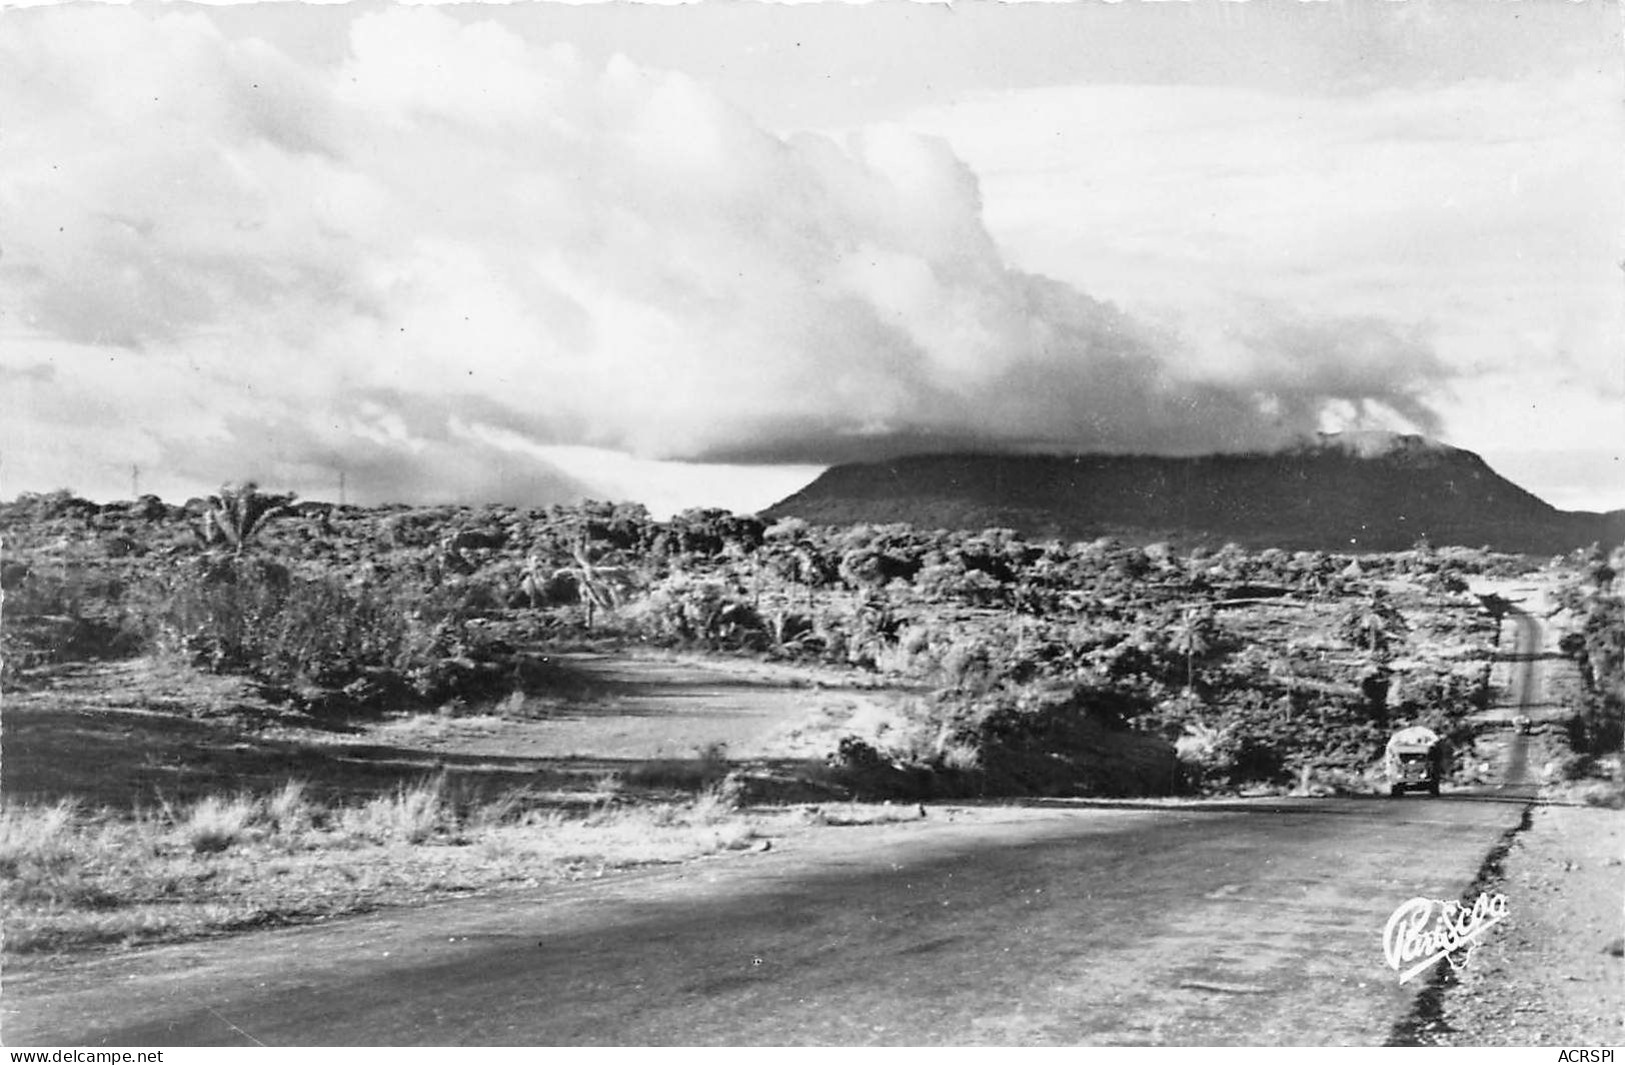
[1343, 492]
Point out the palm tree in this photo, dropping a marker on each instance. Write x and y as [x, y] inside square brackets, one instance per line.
[1373, 622]
[1192, 635]
[792, 544]
[1498, 608]
[238, 512]
[532, 583]
[598, 586]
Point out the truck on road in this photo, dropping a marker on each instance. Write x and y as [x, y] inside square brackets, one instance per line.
[1415, 760]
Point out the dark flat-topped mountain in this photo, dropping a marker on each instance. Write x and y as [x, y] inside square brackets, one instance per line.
[1349, 492]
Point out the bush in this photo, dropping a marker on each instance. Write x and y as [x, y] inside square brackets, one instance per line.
[1029, 738]
[41, 857]
[854, 752]
[718, 802]
[73, 610]
[1599, 725]
[374, 641]
[1203, 753]
[409, 815]
[214, 824]
[289, 810]
[1609, 794]
[1268, 739]
[37, 837]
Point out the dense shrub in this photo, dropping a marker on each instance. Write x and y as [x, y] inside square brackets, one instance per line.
[253, 615]
[64, 612]
[1269, 739]
[1034, 738]
[1598, 726]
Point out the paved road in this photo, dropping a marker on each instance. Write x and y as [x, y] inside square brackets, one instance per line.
[1248, 922]
[1243, 922]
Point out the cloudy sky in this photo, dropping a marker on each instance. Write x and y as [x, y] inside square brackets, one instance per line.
[690, 255]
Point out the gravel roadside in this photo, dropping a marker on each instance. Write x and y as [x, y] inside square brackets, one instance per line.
[1552, 974]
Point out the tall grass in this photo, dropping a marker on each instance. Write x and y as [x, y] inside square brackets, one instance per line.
[411, 814]
[37, 838]
[214, 823]
[717, 802]
[289, 809]
[72, 877]
[41, 861]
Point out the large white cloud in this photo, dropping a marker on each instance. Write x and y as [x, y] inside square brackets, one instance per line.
[456, 237]
[1488, 209]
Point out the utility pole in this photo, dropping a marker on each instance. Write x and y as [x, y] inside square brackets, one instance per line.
[135, 482]
[341, 487]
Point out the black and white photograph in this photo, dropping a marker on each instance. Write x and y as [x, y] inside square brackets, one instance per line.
[747, 524]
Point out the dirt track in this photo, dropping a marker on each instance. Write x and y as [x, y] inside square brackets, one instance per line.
[629, 707]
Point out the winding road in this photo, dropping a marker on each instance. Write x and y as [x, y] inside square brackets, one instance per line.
[1246, 922]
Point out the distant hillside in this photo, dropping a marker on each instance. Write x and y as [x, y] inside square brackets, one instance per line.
[1357, 492]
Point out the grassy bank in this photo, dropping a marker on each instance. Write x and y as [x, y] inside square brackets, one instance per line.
[75, 877]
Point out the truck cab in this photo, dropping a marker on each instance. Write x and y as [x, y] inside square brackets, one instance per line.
[1414, 761]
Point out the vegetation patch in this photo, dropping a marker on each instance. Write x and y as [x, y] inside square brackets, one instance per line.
[292, 695]
[1087, 667]
[75, 877]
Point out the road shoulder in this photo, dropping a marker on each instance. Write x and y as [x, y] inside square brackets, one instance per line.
[1552, 975]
